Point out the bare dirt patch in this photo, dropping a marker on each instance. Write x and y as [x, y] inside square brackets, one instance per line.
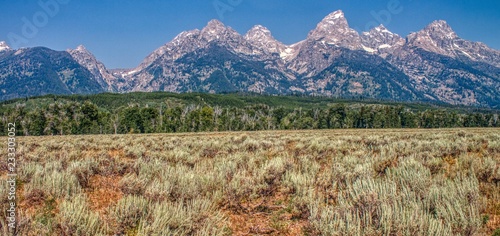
[265, 216]
[103, 191]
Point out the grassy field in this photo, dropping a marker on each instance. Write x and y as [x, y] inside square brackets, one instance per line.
[330, 182]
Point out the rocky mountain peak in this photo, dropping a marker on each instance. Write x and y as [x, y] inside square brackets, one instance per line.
[186, 35]
[81, 52]
[436, 31]
[334, 18]
[101, 74]
[380, 29]
[258, 32]
[81, 48]
[4, 46]
[440, 29]
[333, 22]
[334, 30]
[216, 30]
[214, 23]
[261, 37]
[183, 43]
[437, 37]
[334, 60]
[214, 27]
[380, 39]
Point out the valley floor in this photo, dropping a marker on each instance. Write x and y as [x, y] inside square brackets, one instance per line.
[315, 182]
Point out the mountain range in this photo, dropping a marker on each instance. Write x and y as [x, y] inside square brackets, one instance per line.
[432, 65]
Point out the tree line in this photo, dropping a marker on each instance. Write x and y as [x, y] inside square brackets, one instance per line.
[72, 118]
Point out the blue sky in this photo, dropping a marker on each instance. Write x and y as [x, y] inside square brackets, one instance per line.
[122, 33]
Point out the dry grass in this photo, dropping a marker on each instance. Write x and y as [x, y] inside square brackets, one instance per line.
[330, 182]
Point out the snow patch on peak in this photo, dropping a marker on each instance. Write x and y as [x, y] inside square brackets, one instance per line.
[379, 30]
[382, 40]
[368, 49]
[131, 72]
[288, 53]
[382, 29]
[338, 15]
[384, 46]
[186, 34]
[81, 48]
[335, 15]
[4, 46]
[259, 28]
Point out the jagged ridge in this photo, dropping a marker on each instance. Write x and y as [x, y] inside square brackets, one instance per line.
[432, 64]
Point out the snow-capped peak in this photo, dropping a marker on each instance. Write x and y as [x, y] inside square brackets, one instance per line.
[4, 46]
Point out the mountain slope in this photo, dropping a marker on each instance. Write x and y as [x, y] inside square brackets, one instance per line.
[446, 72]
[317, 52]
[358, 73]
[434, 64]
[213, 69]
[39, 71]
[439, 37]
[104, 77]
[214, 59]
